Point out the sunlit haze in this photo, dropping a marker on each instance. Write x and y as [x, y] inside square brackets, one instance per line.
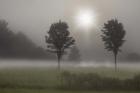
[85, 18]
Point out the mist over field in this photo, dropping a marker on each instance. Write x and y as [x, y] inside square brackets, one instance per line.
[53, 64]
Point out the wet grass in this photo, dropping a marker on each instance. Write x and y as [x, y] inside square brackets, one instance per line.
[43, 80]
[48, 77]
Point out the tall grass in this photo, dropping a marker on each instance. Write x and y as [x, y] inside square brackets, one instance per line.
[49, 77]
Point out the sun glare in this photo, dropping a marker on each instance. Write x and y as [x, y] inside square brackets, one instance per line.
[86, 18]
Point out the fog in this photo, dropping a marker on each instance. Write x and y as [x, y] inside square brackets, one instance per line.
[34, 17]
[8, 64]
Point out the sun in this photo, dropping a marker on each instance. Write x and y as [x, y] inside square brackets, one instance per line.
[86, 18]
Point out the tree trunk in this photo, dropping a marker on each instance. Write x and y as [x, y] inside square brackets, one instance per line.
[115, 55]
[59, 58]
[59, 65]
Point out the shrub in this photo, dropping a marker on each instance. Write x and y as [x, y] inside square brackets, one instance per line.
[92, 81]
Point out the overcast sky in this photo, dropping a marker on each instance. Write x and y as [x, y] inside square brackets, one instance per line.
[34, 17]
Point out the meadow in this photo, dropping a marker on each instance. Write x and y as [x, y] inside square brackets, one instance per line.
[45, 80]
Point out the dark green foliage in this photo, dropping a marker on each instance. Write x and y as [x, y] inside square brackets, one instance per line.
[113, 36]
[132, 84]
[92, 81]
[89, 81]
[59, 39]
[136, 82]
[48, 79]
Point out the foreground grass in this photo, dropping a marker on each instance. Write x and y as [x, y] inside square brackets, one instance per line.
[43, 80]
[48, 77]
[57, 91]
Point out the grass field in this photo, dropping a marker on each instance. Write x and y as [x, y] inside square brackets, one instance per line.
[58, 91]
[42, 80]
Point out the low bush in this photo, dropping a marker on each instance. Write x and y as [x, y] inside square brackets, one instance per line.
[92, 81]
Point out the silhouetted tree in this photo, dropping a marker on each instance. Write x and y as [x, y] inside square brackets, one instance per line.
[113, 37]
[74, 55]
[58, 39]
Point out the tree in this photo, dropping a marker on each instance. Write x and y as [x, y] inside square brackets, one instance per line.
[134, 57]
[18, 45]
[113, 34]
[24, 47]
[74, 55]
[6, 39]
[58, 39]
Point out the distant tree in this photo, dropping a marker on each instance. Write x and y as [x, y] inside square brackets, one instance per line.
[113, 37]
[58, 39]
[74, 55]
[134, 57]
[26, 48]
[18, 45]
[6, 39]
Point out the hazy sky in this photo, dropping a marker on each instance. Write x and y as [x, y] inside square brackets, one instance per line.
[34, 17]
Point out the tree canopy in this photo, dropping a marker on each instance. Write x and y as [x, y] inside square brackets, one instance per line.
[113, 36]
[59, 39]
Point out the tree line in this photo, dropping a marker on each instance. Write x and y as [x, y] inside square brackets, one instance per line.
[18, 45]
